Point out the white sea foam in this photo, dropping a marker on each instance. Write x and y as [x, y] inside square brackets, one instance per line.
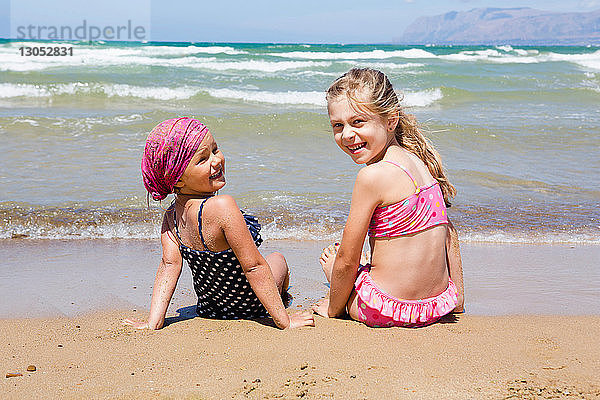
[289, 97]
[546, 238]
[276, 231]
[12, 61]
[589, 60]
[386, 65]
[356, 55]
[506, 48]
[212, 57]
[315, 73]
[491, 55]
[110, 231]
[256, 65]
[422, 98]
[509, 55]
[411, 99]
[26, 121]
[8, 90]
[315, 98]
[158, 93]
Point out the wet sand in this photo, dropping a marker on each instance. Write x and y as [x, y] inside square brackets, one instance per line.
[44, 278]
[63, 302]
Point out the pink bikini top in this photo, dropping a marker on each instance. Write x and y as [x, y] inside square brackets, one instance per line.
[421, 210]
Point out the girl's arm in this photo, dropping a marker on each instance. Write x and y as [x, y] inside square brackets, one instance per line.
[364, 200]
[165, 282]
[455, 265]
[225, 210]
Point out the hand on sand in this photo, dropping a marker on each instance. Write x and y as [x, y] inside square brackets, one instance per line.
[303, 318]
[136, 324]
[322, 307]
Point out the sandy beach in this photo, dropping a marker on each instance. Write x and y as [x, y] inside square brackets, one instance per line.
[468, 357]
[63, 302]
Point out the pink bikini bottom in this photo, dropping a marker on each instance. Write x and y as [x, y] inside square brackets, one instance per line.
[378, 309]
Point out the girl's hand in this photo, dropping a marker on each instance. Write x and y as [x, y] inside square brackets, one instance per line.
[136, 324]
[303, 318]
[322, 307]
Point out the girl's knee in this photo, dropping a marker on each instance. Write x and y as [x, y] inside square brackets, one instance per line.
[279, 269]
[278, 257]
[278, 263]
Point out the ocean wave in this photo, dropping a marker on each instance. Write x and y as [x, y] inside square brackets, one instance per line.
[8, 90]
[315, 98]
[12, 63]
[589, 60]
[530, 238]
[223, 58]
[150, 50]
[156, 93]
[494, 56]
[289, 97]
[422, 98]
[509, 55]
[405, 67]
[303, 219]
[355, 55]
[256, 65]
[165, 56]
[273, 231]
[13, 90]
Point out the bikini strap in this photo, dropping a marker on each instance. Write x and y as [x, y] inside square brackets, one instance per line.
[200, 222]
[175, 223]
[406, 171]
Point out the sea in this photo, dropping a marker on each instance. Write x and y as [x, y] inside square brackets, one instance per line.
[518, 129]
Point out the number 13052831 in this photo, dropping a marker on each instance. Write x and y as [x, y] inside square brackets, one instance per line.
[46, 51]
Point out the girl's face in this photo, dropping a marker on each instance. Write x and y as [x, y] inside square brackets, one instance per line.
[363, 136]
[205, 174]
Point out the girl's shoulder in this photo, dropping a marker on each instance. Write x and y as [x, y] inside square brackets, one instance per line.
[220, 203]
[382, 174]
[219, 206]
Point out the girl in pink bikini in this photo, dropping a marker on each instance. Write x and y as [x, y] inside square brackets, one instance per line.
[414, 275]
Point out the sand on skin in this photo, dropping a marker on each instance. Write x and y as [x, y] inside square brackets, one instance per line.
[468, 357]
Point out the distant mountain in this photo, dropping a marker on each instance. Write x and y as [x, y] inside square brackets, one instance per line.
[518, 26]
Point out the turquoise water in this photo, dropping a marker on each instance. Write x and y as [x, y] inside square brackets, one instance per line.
[517, 127]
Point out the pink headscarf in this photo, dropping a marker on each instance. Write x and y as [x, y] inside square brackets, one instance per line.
[169, 148]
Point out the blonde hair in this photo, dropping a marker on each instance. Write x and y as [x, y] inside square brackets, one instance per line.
[370, 90]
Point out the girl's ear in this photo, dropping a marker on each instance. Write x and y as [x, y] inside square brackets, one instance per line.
[179, 184]
[392, 121]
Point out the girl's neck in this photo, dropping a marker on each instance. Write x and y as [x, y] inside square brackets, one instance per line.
[182, 198]
[391, 143]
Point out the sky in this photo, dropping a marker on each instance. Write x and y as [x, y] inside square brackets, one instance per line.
[308, 21]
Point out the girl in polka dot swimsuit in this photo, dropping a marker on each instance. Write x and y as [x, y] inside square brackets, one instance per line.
[219, 242]
[414, 276]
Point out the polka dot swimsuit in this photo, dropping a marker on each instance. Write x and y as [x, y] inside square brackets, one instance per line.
[219, 281]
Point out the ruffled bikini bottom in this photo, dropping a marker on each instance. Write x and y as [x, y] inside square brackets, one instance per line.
[379, 309]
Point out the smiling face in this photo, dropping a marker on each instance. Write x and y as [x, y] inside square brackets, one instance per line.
[205, 174]
[364, 136]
